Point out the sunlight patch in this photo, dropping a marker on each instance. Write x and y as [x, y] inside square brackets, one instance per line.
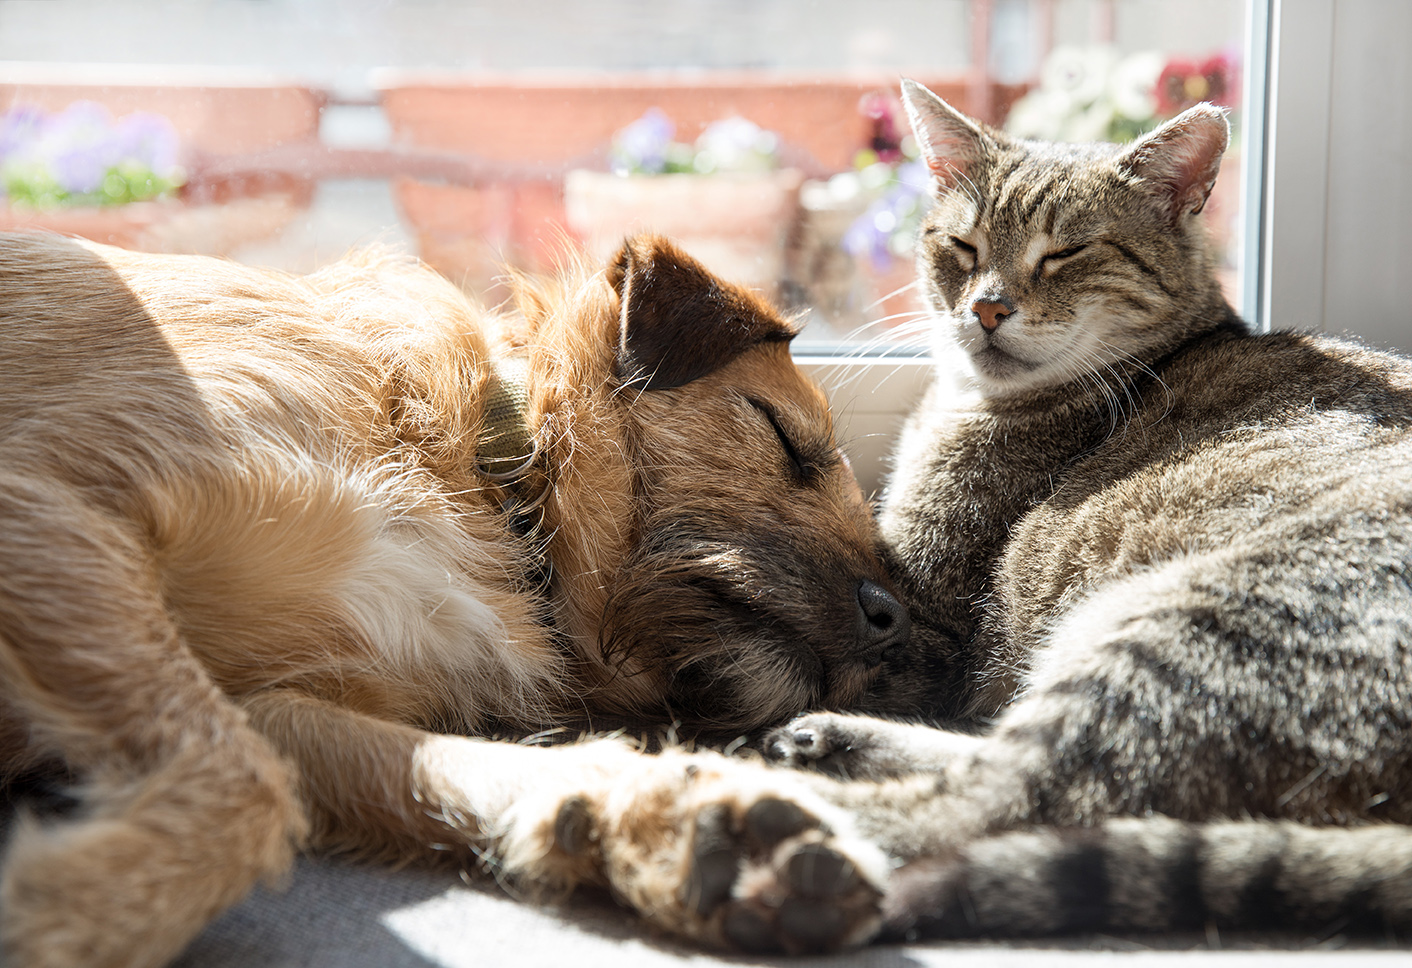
[464, 928]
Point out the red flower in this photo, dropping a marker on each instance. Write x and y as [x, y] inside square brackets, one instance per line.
[883, 111]
[1185, 83]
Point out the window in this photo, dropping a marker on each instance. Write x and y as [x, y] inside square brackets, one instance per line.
[481, 133]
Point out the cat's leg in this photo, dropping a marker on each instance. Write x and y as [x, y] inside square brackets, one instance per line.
[720, 850]
[1244, 681]
[852, 747]
[184, 806]
[1123, 681]
[1188, 690]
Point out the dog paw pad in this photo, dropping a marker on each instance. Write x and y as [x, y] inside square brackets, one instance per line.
[714, 863]
[573, 826]
[818, 871]
[811, 925]
[773, 878]
[808, 898]
[736, 855]
[751, 931]
[772, 820]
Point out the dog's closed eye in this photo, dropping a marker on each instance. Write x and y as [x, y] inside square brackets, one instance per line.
[803, 468]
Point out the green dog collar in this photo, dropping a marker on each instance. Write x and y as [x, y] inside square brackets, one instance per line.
[507, 448]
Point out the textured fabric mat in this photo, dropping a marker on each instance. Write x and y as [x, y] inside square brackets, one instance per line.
[335, 913]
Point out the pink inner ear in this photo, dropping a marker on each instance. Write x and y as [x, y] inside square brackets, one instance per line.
[948, 154]
[1182, 161]
[1195, 162]
[945, 169]
[948, 144]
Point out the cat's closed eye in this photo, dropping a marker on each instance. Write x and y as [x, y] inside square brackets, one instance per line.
[1051, 261]
[965, 253]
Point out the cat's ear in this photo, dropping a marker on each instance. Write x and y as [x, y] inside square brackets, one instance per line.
[1181, 159]
[950, 143]
[678, 321]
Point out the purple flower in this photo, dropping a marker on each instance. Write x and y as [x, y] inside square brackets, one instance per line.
[82, 155]
[80, 145]
[642, 145]
[867, 238]
[888, 228]
[150, 140]
[20, 127]
[914, 176]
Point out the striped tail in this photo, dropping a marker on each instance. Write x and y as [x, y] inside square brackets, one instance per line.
[1158, 874]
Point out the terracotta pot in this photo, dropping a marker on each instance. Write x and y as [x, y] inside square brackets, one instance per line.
[892, 299]
[737, 223]
[470, 233]
[1223, 221]
[223, 119]
[165, 226]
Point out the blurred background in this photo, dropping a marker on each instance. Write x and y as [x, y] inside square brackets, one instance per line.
[765, 134]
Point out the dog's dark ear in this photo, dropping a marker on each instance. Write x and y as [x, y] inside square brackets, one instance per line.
[679, 322]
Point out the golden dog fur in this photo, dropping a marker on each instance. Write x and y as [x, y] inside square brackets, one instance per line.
[252, 578]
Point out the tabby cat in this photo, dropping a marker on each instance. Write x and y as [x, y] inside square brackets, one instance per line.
[1159, 570]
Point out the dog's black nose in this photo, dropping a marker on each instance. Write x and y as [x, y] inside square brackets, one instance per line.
[883, 623]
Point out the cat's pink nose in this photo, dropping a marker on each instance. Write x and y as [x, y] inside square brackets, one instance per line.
[991, 314]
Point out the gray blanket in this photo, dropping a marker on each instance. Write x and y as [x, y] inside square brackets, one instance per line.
[336, 913]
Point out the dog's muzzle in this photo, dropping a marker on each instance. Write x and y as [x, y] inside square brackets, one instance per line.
[882, 624]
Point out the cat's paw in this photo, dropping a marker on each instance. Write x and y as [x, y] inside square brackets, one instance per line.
[864, 748]
[817, 741]
[732, 854]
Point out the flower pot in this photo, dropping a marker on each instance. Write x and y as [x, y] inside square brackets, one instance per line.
[164, 226]
[470, 233]
[736, 223]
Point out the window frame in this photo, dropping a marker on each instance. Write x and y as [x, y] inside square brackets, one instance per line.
[1292, 187]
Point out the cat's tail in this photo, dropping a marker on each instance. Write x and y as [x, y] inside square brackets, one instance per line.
[1158, 874]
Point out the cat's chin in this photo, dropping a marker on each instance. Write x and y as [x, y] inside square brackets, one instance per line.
[998, 373]
[987, 368]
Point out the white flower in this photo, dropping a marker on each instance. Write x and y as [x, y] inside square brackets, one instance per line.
[1080, 72]
[1090, 125]
[735, 144]
[1040, 115]
[1133, 86]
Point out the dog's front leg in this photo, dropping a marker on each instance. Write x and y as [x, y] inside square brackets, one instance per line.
[385, 789]
[724, 851]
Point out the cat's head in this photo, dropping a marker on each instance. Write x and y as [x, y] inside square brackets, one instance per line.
[1049, 263]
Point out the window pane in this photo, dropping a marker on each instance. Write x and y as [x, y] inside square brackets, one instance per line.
[484, 134]
[1064, 70]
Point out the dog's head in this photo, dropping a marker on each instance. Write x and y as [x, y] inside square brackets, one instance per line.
[714, 556]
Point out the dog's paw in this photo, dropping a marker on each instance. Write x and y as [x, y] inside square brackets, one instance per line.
[772, 877]
[732, 854]
[864, 748]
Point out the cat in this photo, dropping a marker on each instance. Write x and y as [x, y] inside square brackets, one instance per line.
[1159, 570]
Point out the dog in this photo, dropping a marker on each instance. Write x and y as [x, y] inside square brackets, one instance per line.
[280, 555]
